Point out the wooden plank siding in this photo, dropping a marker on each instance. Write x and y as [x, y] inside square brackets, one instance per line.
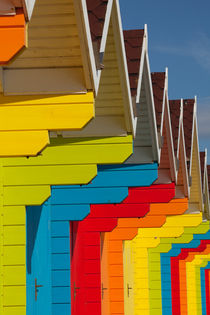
[155, 274]
[53, 39]
[27, 118]
[179, 286]
[110, 114]
[150, 238]
[190, 238]
[26, 181]
[54, 61]
[192, 302]
[127, 229]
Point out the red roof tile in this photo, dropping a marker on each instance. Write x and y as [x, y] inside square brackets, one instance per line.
[133, 46]
[188, 109]
[175, 111]
[202, 161]
[96, 13]
[158, 83]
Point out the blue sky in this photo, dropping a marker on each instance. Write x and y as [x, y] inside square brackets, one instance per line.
[179, 38]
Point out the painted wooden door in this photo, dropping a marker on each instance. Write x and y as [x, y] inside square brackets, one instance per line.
[128, 278]
[38, 267]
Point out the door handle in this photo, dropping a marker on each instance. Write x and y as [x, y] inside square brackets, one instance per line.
[75, 290]
[102, 291]
[128, 290]
[36, 287]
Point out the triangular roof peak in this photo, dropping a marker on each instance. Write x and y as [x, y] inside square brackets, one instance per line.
[167, 167]
[192, 153]
[176, 114]
[159, 89]
[133, 46]
[146, 140]
[188, 122]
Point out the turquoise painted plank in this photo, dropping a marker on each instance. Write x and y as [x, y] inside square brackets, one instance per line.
[61, 309]
[60, 245]
[61, 278]
[59, 228]
[61, 294]
[98, 195]
[69, 212]
[60, 261]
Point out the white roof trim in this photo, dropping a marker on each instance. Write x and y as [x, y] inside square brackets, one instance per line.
[85, 35]
[154, 133]
[181, 136]
[166, 108]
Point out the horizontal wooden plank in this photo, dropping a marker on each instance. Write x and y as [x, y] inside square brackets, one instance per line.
[47, 62]
[70, 212]
[14, 255]
[14, 235]
[60, 261]
[24, 195]
[46, 9]
[14, 215]
[14, 310]
[23, 143]
[45, 117]
[14, 296]
[47, 100]
[60, 229]
[44, 81]
[55, 175]
[14, 275]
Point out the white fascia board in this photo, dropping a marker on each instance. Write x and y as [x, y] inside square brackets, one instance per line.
[106, 26]
[151, 111]
[169, 127]
[130, 120]
[198, 153]
[141, 66]
[181, 140]
[28, 8]
[144, 62]
[184, 162]
[104, 36]
[86, 44]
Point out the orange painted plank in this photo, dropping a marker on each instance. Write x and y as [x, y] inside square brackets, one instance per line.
[12, 36]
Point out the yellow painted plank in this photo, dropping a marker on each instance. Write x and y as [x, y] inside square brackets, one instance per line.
[26, 120]
[14, 295]
[14, 255]
[39, 100]
[14, 215]
[79, 151]
[39, 175]
[14, 275]
[23, 143]
[22, 195]
[14, 235]
[14, 310]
